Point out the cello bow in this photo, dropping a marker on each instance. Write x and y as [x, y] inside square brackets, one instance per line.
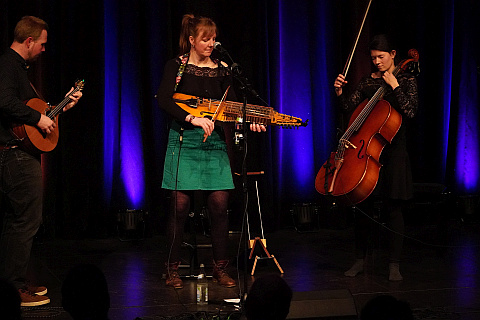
[354, 47]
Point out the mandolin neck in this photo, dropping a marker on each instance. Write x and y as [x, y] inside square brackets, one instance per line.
[59, 107]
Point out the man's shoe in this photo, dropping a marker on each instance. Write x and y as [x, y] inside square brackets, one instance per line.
[40, 290]
[30, 299]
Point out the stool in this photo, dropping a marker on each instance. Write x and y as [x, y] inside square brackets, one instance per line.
[131, 225]
[192, 244]
[262, 241]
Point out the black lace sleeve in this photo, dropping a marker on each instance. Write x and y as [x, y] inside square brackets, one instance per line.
[167, 89]
[357, 96]
[407, 95]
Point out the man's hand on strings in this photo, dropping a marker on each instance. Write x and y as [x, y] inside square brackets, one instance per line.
[339, 83]
[46, 124]
[256, 127]
[74, 97]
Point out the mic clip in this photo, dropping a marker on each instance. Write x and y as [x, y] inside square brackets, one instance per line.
[238, 134]
[181, 135]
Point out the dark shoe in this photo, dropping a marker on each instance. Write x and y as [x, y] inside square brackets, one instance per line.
[221, 276]
[39, 291]
[173, 278]
[30, 299]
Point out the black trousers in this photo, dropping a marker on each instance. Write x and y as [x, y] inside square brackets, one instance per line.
[21, 190]
[365, 226]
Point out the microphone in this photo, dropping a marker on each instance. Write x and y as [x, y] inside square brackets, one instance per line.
[223, 52]
[218, 46]
[235, 67]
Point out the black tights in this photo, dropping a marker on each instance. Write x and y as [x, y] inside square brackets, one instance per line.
[217, 204]
[364, 228]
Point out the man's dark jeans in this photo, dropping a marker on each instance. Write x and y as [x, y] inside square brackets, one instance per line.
[21, 190]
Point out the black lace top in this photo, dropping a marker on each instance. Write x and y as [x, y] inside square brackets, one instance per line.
[206, 71]
[404, 98]
[197, 81]
[395, 181]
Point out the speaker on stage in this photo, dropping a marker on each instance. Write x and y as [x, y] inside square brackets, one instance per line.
[326, 304]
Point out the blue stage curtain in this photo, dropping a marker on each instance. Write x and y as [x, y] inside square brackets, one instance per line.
[465, 144]
[134, 51]
[302, 86]
[111, 150]
[293, 51]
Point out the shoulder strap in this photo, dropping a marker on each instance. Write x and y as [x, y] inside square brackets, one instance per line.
[181, 69]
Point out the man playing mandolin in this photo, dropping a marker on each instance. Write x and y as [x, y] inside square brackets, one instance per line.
[21, 173]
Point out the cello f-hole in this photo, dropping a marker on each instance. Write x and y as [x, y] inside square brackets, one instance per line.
[359, 154]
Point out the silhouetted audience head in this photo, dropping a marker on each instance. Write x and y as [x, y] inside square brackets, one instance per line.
[268, 299]
[85, 293]
[9, 301]
[386, 307]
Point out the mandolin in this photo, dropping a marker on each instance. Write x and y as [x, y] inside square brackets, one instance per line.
[232, 111]
[34, 140]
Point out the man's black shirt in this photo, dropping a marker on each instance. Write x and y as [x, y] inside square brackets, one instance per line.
[15, 90]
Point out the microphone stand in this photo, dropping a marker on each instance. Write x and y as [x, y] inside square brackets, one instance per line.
[246, 89]
[237, 74]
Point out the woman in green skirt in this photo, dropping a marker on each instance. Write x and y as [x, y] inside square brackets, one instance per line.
[190, 163]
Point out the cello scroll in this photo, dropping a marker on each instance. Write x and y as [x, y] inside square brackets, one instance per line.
[411, 65]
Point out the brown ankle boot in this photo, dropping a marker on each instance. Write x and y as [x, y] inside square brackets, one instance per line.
[220, 274]
[173, 278]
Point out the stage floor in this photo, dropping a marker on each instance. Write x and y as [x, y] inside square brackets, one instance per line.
[440, 269]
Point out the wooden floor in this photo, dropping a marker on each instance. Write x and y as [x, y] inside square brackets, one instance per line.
[440, 269]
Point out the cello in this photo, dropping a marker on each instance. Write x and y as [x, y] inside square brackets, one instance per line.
[351, 173]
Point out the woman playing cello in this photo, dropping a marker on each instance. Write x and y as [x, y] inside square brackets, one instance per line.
[395, 180]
